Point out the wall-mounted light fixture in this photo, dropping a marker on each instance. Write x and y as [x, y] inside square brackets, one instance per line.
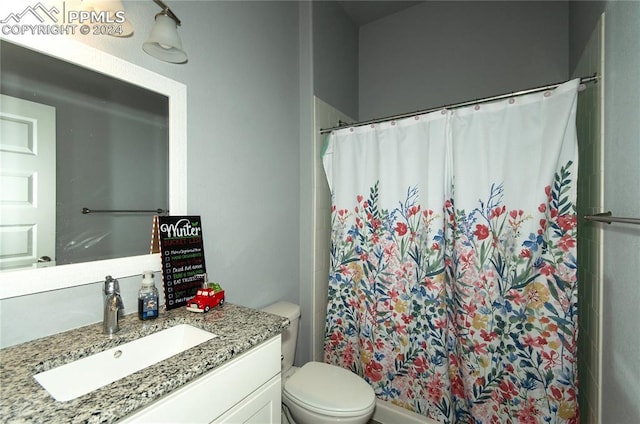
[164, 42]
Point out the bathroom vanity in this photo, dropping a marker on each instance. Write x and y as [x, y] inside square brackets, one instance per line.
[233, 377]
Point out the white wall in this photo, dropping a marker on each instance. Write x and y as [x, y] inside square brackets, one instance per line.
[439, 53]
[243, 156]
[621, 286]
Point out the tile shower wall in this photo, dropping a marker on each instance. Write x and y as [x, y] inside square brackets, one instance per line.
[590, 200]
[325, 116]
[621, 243]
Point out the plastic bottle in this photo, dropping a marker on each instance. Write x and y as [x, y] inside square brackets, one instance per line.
[148, 297]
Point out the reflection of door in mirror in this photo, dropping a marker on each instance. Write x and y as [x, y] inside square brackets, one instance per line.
[27, 182]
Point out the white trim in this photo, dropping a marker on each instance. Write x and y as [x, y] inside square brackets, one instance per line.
[599, 306]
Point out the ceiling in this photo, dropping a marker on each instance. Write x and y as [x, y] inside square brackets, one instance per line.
[363, 12]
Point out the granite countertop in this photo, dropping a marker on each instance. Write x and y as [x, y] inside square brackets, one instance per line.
[22, 399]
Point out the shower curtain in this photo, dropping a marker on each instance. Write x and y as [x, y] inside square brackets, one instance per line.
[452, 286]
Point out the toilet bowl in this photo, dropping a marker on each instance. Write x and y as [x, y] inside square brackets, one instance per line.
[318, 393]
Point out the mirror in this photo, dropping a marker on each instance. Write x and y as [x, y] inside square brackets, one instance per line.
[92, 234]
[76, 146]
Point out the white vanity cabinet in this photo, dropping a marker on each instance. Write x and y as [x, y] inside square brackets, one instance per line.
[246, 389]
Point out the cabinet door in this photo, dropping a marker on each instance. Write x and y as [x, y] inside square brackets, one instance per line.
[219, 391]
[261, 407]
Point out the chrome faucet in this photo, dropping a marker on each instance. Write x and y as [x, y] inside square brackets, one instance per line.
[112, 306]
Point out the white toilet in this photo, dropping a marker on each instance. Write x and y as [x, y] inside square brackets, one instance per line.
[319, 393]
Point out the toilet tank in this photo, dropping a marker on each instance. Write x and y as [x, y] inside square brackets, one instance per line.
[290, 334]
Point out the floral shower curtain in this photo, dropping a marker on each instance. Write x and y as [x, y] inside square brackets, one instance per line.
[452, 286]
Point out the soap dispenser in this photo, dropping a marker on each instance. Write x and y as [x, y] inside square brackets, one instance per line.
[148, 297]
[113, 306]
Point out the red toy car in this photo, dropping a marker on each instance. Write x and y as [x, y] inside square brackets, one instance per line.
[206, 299]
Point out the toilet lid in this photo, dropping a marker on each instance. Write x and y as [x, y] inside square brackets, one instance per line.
[330, 388]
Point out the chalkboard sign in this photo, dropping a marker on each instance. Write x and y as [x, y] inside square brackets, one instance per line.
[182, 253]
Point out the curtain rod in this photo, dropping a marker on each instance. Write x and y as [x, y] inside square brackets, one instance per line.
[157, 211]
[583, 80]
[606, 217]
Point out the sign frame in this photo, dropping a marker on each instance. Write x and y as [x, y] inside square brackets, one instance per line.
[179, 241]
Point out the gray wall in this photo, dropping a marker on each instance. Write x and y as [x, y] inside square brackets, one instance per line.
[439, 53]
[244, 144]
[583, 16]
[621, 291]
[243, 156]
[335, 57]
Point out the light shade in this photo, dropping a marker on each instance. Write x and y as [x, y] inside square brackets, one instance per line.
[164, 42]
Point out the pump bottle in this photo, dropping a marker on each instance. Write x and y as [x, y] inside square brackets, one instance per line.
[147, 297]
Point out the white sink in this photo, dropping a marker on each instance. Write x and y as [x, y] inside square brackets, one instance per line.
[88, 374]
